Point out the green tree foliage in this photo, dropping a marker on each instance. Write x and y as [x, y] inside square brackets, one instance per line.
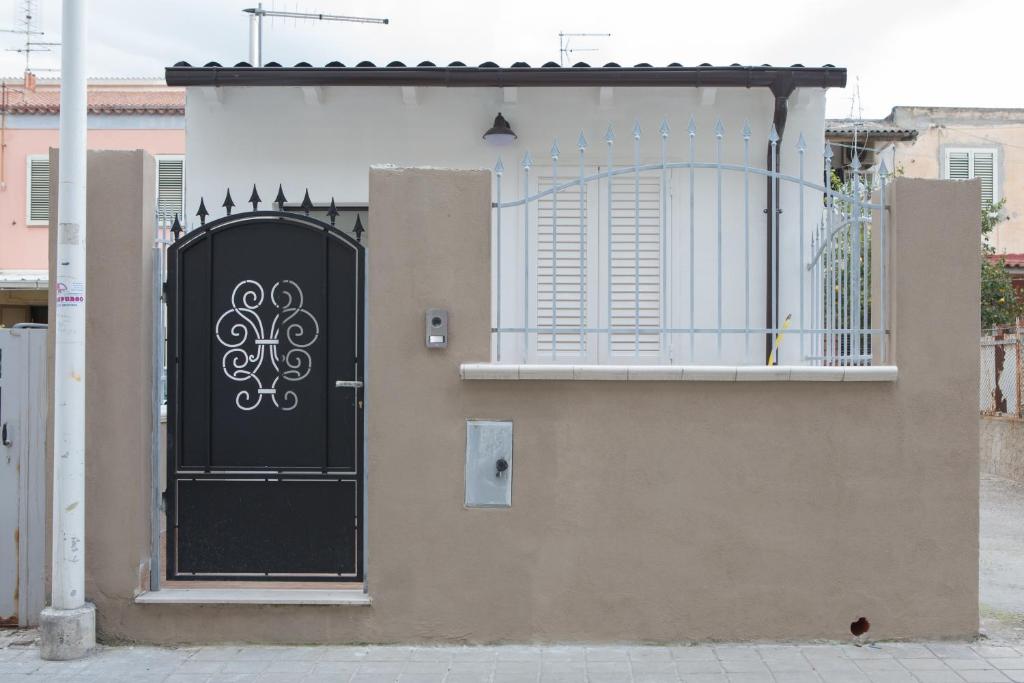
[999, 302]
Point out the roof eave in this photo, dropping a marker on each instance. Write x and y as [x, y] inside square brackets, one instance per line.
[711, 76]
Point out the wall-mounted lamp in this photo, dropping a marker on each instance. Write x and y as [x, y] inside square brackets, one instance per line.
[500, 134]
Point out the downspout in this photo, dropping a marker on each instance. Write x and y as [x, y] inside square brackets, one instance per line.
[781, 88]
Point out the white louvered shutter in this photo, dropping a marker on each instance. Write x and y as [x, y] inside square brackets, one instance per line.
[561, 272]
[636, 289]
[39, 190]
[170, 189]
[965, 164]
[984, 169]
[958, 165]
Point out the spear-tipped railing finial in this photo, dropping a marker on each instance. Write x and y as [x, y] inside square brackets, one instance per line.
[254, 198]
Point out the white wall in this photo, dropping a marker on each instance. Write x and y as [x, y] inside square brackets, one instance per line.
[268, 135]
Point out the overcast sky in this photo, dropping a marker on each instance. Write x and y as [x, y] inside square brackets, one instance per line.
[902, 52]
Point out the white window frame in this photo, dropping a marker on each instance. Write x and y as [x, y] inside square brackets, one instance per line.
[28, 189]
[156, 191]
[971, 151]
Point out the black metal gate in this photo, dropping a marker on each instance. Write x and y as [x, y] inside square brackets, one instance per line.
[265, 400]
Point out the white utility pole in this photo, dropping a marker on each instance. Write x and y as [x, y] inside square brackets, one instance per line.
[68, 626]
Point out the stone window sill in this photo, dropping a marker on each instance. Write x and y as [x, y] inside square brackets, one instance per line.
[676, 373]
[252, 596]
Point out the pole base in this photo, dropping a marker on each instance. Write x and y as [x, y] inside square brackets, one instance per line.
[67, 633]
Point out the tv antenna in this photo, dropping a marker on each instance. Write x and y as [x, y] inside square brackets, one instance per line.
[27, 29]
[564, 40]
[257, 13]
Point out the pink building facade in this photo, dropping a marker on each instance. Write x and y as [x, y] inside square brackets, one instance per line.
[123, 115]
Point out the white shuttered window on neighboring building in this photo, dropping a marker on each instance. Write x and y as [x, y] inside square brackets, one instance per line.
[38, 200]
[170, 187]
[967, 163]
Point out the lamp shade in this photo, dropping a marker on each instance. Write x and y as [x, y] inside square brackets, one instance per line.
[500, 134]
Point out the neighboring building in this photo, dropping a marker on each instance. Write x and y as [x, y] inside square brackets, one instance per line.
[123, 114]
[953, 143]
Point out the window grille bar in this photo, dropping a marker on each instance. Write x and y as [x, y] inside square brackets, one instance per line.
[718, 248]
[582, 144]
[666, 286]
[692, 130]
[636, 239]
[498, 172]
[773, 221]
[746, 238]
[554, 253]
[610, 139]
[883, 260]
[526, 258]
[801, 147]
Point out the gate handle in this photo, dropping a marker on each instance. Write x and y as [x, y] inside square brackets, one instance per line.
[350, 384]
[3, 435]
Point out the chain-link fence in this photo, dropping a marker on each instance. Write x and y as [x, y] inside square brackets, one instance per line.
[1000, 387]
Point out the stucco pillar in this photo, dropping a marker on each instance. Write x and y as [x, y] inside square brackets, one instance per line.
[118, 341]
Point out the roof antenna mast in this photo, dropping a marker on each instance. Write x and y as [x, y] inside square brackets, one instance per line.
[26, 28]
[564, 51]
[257, 13]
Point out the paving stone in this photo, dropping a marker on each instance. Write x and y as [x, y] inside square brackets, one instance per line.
[796, 677]
[983, 676]
[924, 664]
[420, 678]
[699, 666]
[778, 664]
[606, 654]
[875, 665]
[518, 678]
[995, 651]
[426, 667]
[1016, 663]
[751, 678]
[952, 650]
[737, 652]
[968, 664]
[947, 676]
[744, 666]
[381, 667]
[705, 678]
[693, 652]
[617, 667]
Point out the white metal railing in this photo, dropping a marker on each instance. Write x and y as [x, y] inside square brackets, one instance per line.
[676, 262]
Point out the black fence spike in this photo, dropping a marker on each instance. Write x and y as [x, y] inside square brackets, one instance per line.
[228, 204]
[176, 226]
[279, 199]
[254, 198]
[307, 204]
[358, 229]
[202, 212]
[332, 212]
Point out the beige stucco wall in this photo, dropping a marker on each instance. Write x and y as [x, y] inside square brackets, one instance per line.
[641, 511]
[943, 127]
[1002, 447]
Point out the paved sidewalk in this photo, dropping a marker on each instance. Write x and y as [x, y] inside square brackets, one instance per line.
[798, 663]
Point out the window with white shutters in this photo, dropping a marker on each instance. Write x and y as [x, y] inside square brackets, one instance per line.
[562, 248]
[38, 190]
[965, 164]
[170, 187]
[635, 264]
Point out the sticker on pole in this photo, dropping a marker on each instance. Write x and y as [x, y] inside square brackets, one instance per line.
[70, 293]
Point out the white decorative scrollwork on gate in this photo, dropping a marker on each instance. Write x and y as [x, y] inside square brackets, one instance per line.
[249, 343]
